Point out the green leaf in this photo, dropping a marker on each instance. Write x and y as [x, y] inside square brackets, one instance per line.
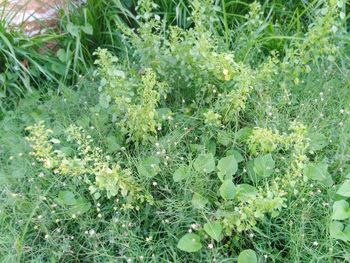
[224, 138]
[204, 163]
[344, 189]
[264, 166]
[337, 230]
[80, 207]
[247, 256]
[104, 100]
[227, 167]
[87, 29]
[149, 167]
[199, 201]
[181, 173]
[67, 198]
[245, 192]
[189, 243]
[214, 230]
[341, 210]
[211, 146]
[238, 156]
[318, 172]
[73, 29]
[227, 190]
[62, 55]
[317, 141]
[243, 134]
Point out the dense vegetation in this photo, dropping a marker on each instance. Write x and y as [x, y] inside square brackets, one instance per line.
[199, 131]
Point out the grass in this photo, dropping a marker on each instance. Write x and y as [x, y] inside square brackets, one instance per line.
[66, 205]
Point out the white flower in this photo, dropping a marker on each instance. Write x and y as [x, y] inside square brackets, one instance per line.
[210, 246]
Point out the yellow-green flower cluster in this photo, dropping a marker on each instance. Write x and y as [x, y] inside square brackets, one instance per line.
[97, 169]
[270, 199]
[263, 141]
[136, 100]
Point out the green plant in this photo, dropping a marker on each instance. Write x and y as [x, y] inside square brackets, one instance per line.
[194, 144]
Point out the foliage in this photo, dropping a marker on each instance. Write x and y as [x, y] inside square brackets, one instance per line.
[200, 140]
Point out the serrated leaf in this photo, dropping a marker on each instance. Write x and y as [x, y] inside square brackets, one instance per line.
[227, 190]
[227, 167]
[204, 163]
[341, 210]
[247, 256]
[344, 189]
[263, 166]
[318, 172]
[189, 243]
[214, 230]
[181, 173]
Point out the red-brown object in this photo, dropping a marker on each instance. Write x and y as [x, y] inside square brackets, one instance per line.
[32, 16]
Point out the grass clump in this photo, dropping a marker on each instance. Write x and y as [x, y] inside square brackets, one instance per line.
[197, 143]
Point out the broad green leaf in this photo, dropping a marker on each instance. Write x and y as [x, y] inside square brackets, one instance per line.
[199, 201]
[338, 231]
[245, 192]
[250, 170]
[181, 173]
[87, 29]
[344, 189]
[214, 230]
[238, 156]
[67, 198]
[341, 210]
[317, 141]
[149, 167]
[243, 134]
[264, 166]
[189, 243]
[211, 146]
[318, 172]
[227, 167]
[80, 207]
[227, 190]
[204, 163]
[73, 29]
[62, 55]
[224, 138]
[247, 256]
[195, 148]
